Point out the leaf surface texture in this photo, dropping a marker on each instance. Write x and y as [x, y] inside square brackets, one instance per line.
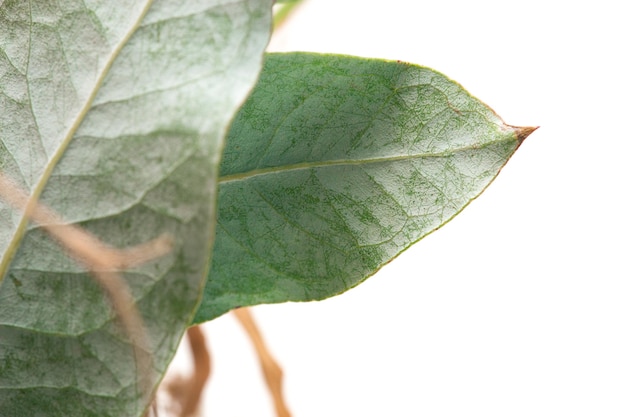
[337, 164]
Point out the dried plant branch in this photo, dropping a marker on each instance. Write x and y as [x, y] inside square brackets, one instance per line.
[104, 263]
[271, 370]
[82, 245]
[187, 392]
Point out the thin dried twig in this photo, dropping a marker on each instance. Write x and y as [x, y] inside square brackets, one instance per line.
[271, 370]
[202, 370]
[104, 263]
[187, 392]
[82, 245]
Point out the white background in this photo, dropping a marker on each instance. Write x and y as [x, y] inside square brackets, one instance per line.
[518, 306]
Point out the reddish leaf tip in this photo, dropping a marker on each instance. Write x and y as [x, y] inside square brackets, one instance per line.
[523, 132]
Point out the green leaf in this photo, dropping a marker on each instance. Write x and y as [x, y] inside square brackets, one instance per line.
[114, 114]
[337, 164]
[283, 11]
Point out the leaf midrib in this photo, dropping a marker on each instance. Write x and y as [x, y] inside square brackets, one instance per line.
[8, 255]
[242, 176]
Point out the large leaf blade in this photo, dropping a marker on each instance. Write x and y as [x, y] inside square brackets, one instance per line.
[115, 113]
[334, 166]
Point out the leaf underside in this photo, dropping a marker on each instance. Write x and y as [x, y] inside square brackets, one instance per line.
[337, 164]
[114, 114]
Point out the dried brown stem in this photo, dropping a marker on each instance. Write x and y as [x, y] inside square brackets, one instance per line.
[271, 370]
[82, 245]
[189, 391]
[104, 264]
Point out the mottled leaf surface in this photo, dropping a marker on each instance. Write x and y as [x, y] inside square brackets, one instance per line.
[337, 164]
[114, 114]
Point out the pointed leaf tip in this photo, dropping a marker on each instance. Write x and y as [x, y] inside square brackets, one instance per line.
[523, 132]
